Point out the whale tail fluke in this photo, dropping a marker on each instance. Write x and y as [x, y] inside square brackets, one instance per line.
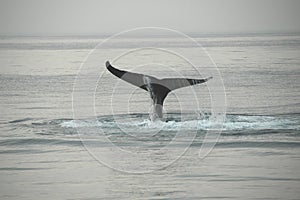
[158, 88]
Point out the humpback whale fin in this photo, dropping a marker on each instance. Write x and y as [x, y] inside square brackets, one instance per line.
[158, 88]
[132, 78]
[176, 83]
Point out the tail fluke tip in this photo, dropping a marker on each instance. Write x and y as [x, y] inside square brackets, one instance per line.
[209, 78]
[107, 64]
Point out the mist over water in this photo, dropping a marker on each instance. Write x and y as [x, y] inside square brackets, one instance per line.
[44, 157]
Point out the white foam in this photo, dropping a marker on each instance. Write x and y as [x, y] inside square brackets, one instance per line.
[231, 123]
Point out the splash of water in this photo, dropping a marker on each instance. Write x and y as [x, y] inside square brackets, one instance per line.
[147, 82]
[152, 114]
[232, 122]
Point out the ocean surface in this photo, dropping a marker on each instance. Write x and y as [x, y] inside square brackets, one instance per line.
[116, 151]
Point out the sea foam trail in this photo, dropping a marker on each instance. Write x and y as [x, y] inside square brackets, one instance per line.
[232, 122]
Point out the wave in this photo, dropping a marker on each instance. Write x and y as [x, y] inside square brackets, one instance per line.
[173, 122]
[239, 131]
[120, 127]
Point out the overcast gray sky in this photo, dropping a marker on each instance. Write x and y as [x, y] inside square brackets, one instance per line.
[89, 17]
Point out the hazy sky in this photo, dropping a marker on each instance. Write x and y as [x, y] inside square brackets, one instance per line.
[74, 17]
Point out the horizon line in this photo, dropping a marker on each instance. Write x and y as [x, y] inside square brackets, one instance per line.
[191, 34]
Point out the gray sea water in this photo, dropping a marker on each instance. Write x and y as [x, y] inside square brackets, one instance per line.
[257, 155]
